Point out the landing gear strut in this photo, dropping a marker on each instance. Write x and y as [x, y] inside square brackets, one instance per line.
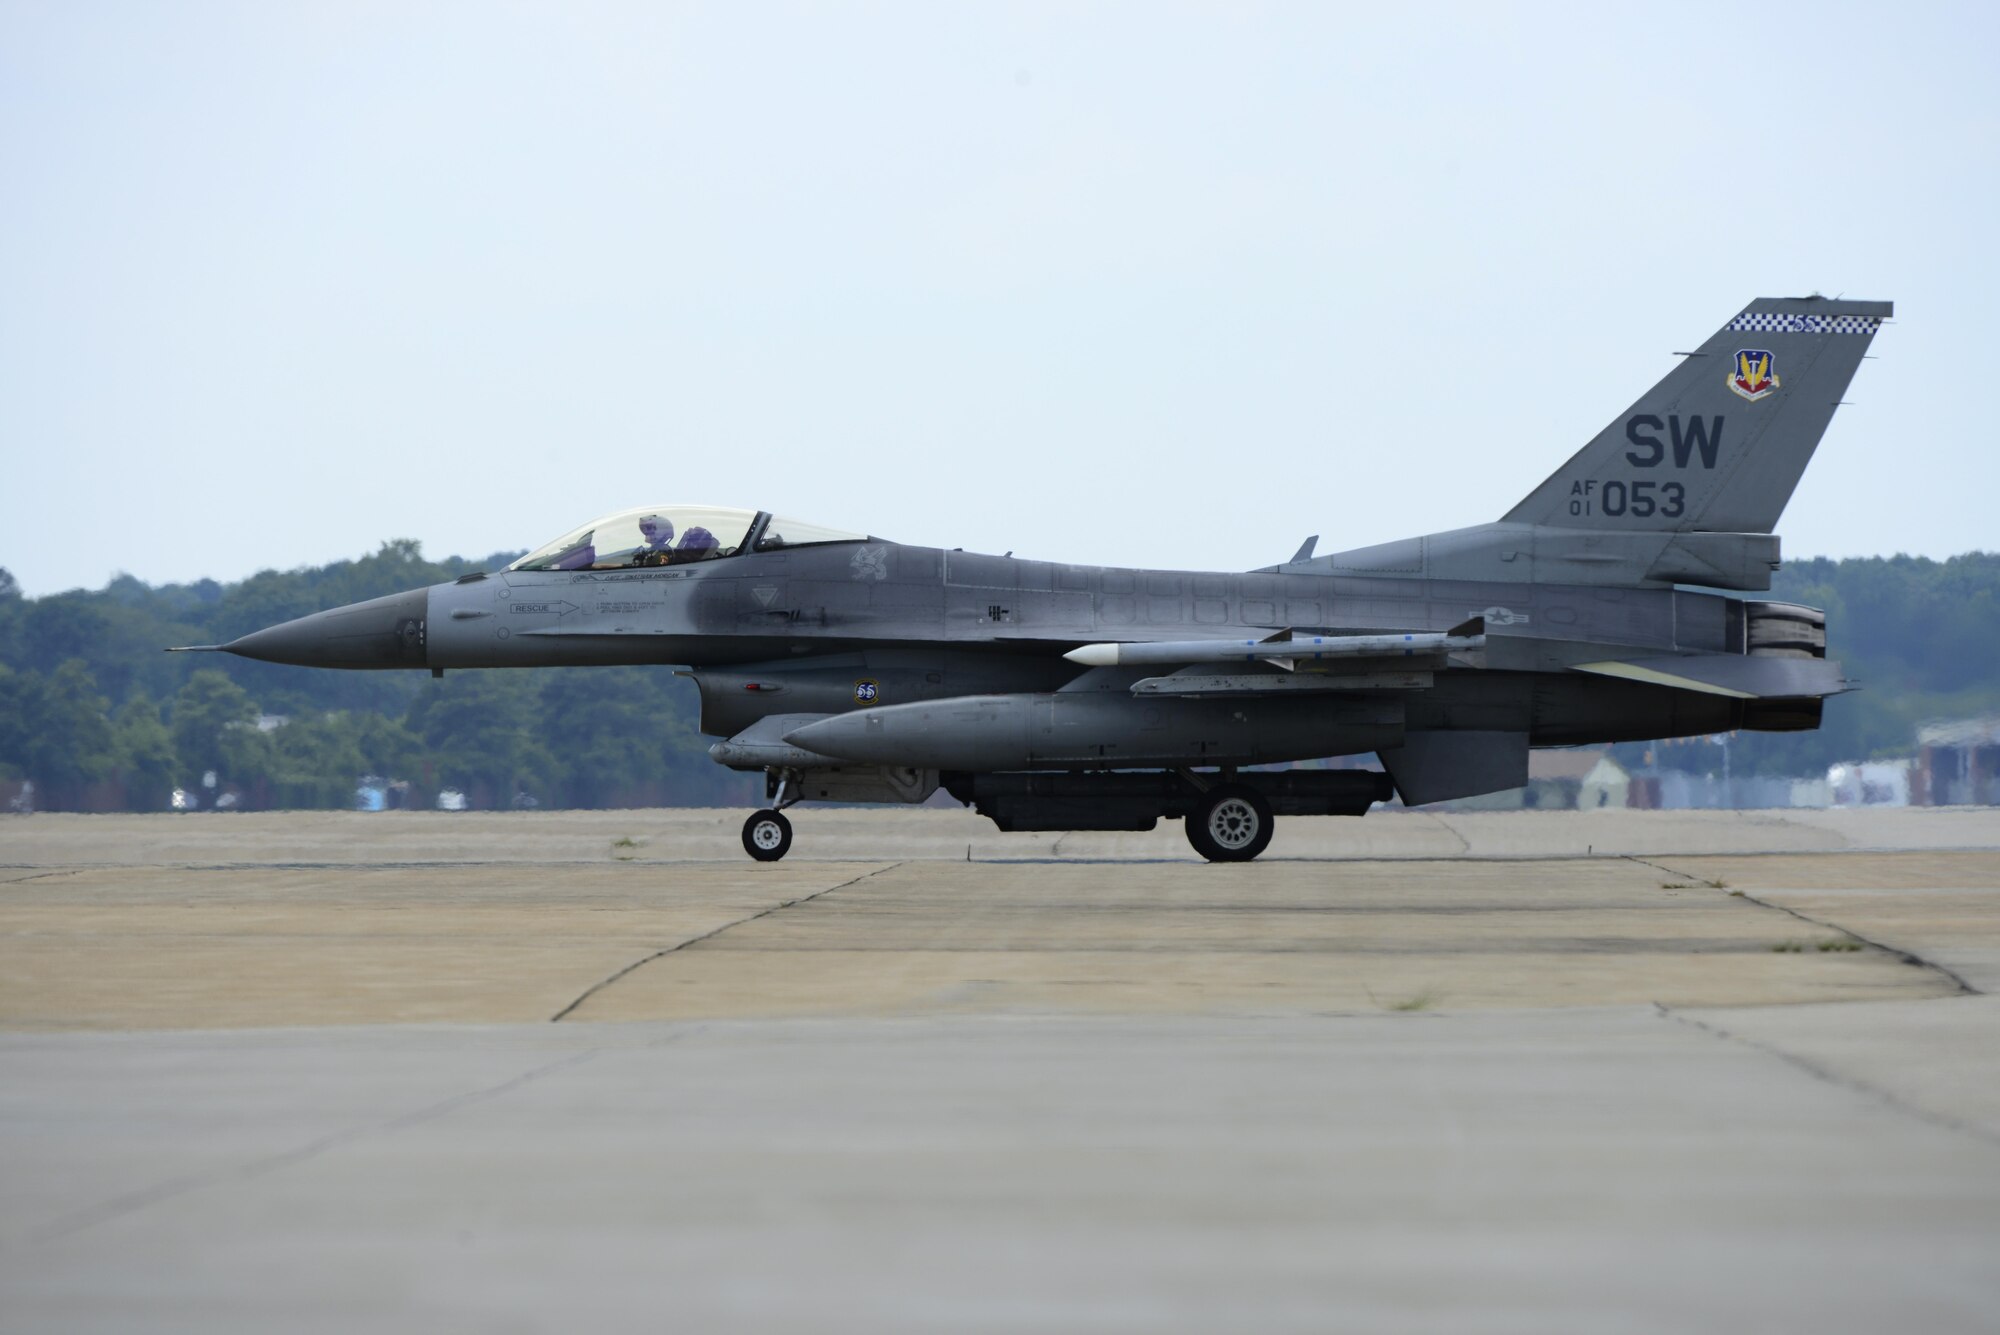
[767, 835]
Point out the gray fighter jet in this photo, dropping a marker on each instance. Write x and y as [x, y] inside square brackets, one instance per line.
[849, 668]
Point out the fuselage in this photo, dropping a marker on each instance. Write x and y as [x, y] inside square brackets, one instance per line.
[829, 628]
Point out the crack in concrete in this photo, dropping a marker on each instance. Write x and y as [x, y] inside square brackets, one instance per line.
[1669, 871]
[1887, 1097]
[250, 1170]
[635, 965]
[44, 875]
[1464, 844]
[1907, 956]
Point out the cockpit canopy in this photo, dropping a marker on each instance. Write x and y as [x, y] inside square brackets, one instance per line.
[661, 535]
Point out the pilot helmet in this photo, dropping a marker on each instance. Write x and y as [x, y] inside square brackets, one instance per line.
[658, 529]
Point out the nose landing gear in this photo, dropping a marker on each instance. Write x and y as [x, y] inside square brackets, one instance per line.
[767, 835]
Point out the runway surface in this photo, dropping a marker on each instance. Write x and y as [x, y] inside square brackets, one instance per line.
[1585, 1073]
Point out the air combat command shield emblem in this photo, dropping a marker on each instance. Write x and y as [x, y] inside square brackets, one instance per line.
[1755, 373]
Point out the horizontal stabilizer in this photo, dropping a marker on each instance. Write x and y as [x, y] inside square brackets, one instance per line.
[1738, 676]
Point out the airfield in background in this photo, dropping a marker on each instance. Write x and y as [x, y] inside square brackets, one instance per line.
[1491, 1071]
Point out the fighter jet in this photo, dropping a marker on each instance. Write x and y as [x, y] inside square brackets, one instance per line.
[849, 668]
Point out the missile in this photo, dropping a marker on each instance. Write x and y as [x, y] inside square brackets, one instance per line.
[1284, 652]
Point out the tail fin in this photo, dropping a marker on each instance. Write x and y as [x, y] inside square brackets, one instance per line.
[1719, 445]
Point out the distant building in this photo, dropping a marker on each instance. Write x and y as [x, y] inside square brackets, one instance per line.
[1871, 783]
[1957, 764]
[1561, 780]
[1605, 787]
[1714, 784]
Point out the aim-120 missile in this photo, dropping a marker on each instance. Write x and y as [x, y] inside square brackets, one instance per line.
[1283, 652]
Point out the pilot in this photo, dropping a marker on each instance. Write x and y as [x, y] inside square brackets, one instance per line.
[697, 544]
[658, 547]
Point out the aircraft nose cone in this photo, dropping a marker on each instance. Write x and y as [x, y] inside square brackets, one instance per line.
[380, 633]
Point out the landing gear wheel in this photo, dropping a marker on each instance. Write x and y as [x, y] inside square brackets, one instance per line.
[767, 835]
[1232, 824]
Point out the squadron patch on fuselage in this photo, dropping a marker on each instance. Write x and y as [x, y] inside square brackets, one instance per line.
[866, 690]
[1755, 373]
[870, 563]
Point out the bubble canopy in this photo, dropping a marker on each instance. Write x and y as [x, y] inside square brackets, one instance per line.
[660, 535]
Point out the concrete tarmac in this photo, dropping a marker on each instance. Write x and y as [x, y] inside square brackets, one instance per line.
[319, 1071]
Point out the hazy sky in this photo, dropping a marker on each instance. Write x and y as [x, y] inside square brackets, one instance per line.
[1144, 283]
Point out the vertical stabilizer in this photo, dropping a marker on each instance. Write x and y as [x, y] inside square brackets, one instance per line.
[1720, 444]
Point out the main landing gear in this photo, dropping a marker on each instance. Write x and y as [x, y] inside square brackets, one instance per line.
[767, 835]
[1231, 823]
[1226, 820]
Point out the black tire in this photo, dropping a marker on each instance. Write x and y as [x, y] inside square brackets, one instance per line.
[1232, 824]
[767, 835]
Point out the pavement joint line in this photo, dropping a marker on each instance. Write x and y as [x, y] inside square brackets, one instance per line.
[1907, 956]
[118, 1206]
[603, 983]
[1881, 1095]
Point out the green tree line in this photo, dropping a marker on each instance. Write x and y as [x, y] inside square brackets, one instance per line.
[98, 718]
[1921, 639]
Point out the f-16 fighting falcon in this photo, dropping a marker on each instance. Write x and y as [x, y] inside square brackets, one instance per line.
[849, 668]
